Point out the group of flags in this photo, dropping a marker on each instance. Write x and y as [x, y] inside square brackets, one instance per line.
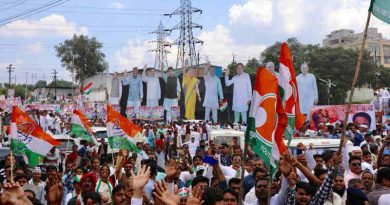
[271, 115]
[28, 139]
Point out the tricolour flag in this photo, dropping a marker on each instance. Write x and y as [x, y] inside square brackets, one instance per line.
[28, 100]
[87, 89]
[122, 133]
[381, 9]
[27, 138]
[223, 105]
[80, 127]
[290, 99]
[267, 119]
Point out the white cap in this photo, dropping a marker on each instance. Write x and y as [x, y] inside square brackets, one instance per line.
[355, 148]
[363, 125]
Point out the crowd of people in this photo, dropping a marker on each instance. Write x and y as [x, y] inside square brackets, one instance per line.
[178, 163]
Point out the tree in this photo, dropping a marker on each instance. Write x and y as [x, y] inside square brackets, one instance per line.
[251, 66]
[300, 53]
[336, 64]
[62, 83]
[83, 56]
[41, 84]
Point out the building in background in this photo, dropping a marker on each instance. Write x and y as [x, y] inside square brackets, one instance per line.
[378, 46]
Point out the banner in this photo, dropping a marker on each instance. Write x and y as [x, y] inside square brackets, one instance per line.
[332, 114]
[175, 113]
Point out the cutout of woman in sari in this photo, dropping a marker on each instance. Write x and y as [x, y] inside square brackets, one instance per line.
[190, 87]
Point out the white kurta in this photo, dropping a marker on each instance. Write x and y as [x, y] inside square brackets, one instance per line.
[242, 91]
[153, 89]
[213, 90]
[307, 89]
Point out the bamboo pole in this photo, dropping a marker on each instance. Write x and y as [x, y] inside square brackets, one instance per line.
[355, 77]
[241, 196]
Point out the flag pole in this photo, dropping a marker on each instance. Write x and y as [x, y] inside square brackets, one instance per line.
[241, 196]
[355, 77]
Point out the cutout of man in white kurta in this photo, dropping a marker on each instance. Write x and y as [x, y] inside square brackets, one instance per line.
[307, 89]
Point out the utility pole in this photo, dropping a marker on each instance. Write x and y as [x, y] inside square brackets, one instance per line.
[160, 61]
[186, 42]
[234, 58]
[55, 83]
[329, 85]
[10, 70]
[25, 91]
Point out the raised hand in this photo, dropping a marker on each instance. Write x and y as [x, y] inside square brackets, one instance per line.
[139, 181]
[285, 168]
[196, 198]
[171, 170]
[56, 191]
[227, 72]
[13, 194]
[163, 194]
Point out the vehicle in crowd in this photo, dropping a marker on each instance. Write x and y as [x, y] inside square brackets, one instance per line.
[226, 136]
[100, 133]
[319, 144]
[67, 142]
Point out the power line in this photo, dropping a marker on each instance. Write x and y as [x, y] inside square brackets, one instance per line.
[16, 3]
[30, 12]
[103, 8]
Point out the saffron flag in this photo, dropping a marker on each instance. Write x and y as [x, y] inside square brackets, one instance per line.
[87, 89]
[27, 138]
[290, 99]
[80, 127]
[267, 119]
[381, 9]
[122, 133]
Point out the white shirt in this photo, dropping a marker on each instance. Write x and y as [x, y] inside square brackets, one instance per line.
[384, 199]
[192, 147]
[242, 91]
[153, 87]
[366, 165]
[307, 86]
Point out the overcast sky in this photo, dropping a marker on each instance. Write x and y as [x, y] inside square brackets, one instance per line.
[242, 27]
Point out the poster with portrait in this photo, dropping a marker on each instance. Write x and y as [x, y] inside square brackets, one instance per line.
[130, 112]
[332, 114]
[157, 113]
[175, 113]
[145, 113]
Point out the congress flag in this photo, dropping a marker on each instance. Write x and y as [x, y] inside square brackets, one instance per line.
[267, 119]
[27, 138]
[122, 133]
[290, 100]
[80, 127]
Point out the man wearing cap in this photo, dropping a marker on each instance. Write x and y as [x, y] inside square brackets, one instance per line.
[87, 184]
[38, 183]
[153, 90]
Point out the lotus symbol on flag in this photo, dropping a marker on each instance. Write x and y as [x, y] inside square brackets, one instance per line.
[24, 132]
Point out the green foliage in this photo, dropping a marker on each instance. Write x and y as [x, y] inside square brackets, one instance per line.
[41, 84]
[83, 56]
[300, 53]
[251, 66]
[232, 68]
[62, 84]
[336, 64]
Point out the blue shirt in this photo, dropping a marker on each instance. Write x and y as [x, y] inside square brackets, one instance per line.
[135, 88]
[358, 139]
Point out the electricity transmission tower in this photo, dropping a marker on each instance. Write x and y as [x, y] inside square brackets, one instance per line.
[186, 42]
[160, 61]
